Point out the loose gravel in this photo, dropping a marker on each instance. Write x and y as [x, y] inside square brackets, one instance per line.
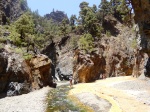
[31, 102]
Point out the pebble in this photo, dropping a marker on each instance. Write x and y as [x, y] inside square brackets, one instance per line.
[31, 102]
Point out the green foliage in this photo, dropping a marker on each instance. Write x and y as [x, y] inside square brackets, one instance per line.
[18, 50]
[105, 9]
[134, 44]
[122, 10]
[73, 19]
[51, 29]
[86, 43]
[14, 36]
[2, 40]
[24, 25]
[89, 20]
[1, 45]
[27, 56]
[108, 34]
[64, 30]
[1, 31]
[73, 42]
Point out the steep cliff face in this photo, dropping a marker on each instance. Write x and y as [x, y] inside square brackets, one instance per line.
[114, 56]
[40, 69]
[12, 9]
[88, 68]
[142, 18]
[33, 74]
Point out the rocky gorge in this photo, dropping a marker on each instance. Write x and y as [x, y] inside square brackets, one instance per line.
[120, 52]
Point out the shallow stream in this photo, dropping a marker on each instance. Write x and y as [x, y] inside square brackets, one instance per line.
[59, 102]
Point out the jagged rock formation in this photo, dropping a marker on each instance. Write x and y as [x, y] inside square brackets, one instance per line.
[11, 9]
[40, 68]
[114, 56]
[33, 74]
[142, 18]
[56, 16]
[87, 68]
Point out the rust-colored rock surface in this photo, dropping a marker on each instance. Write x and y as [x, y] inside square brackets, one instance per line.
[87, 68]
[113, 56]
[33, 74]
[40, 66]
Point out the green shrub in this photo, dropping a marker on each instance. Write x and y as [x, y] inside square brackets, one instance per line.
[18, 50]
[134, 43]
[73, 42]
[15, 38]
[27, 56]
[2, 40]
[1, 46]
[86, 43]
[108, 34]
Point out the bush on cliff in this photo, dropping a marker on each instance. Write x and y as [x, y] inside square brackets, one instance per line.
[86, 43]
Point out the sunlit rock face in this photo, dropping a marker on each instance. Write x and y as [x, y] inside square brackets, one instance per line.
[40, 67]
[114, 56]
[142, 18]
[33, 74]
[87, 68]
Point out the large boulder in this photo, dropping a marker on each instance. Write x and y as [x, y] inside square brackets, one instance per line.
[88, 68]
[40, 66]
[33, 74]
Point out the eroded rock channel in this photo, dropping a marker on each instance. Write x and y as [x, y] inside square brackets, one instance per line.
[58, 101]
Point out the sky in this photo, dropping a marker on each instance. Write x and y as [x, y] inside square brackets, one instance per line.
[68, 6]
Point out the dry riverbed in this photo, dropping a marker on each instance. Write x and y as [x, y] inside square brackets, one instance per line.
[125, 94]
[119, 94]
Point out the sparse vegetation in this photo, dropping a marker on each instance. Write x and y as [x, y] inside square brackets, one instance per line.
[134, 44]
[31, 30]
[86, 43]
[108, 34]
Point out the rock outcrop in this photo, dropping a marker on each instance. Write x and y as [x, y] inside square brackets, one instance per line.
[142, 19]
[88, 68]
[113, 56]
[56, 16]
[33, 74]
[11, 9]
[40, 67]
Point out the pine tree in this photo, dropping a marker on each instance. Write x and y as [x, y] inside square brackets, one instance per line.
[73, 19]
[88, 20]
[64, 28]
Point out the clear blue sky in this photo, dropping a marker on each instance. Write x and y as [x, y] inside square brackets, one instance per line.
[68, 6]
